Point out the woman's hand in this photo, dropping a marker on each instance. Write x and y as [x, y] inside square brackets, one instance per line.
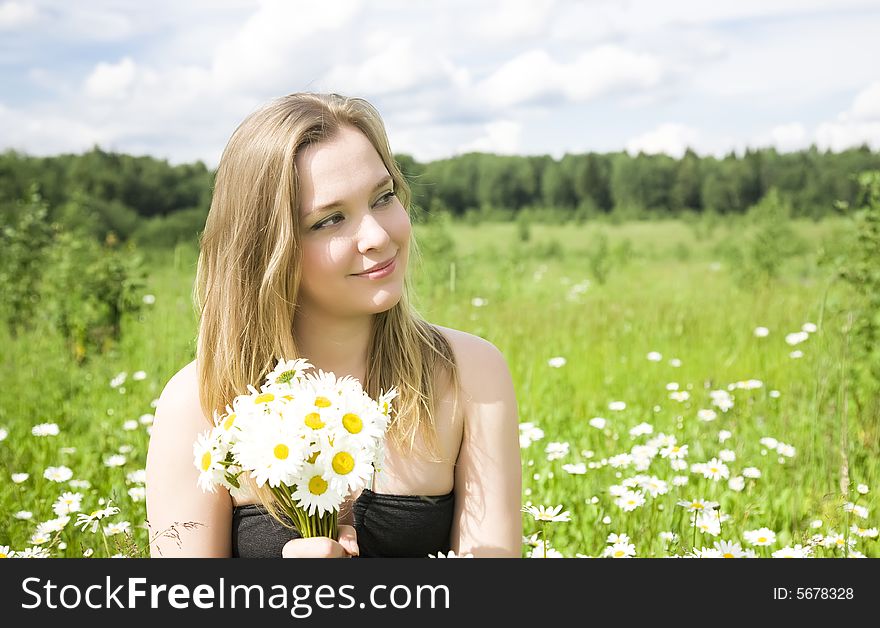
[324, 547]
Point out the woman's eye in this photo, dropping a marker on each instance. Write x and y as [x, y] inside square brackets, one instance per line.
[385, 198]
[328, 222]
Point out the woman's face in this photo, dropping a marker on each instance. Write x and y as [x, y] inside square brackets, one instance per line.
[351, 221]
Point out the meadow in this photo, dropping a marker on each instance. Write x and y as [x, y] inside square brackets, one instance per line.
[672, 400]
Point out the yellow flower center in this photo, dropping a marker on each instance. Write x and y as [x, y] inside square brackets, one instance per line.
[265, 398]
[322, 402]
[762, 539]
[385, 407]
[206, 461]
[229, 421]
[697, 506]
[281, 451]
[313, 420]
[288, 397]
[619, 553]
[343, 463]
[317, 485]
[728, 555]
[352, 423]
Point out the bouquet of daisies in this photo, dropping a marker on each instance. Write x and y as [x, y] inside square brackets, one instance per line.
[311, 437]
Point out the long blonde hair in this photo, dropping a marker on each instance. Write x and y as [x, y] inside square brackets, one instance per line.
[249, 270]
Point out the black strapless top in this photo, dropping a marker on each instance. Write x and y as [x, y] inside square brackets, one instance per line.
[387, 526]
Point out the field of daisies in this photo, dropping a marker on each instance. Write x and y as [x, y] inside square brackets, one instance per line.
[670, 405]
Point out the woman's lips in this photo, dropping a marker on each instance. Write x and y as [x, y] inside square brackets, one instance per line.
[387, 269]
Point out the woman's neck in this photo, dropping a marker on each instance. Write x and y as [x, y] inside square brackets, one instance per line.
[334, 345]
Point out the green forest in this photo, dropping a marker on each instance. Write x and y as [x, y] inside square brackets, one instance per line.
[159, 204]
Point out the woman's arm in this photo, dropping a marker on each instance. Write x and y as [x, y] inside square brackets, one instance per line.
[488, 474]
[183, 520]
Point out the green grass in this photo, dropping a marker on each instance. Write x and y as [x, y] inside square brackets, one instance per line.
[668, 291]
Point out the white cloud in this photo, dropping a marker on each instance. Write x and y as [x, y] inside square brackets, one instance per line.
[398, 67]
[111, 80]
[16, 14]
[535, 75]
[670, 138]
[501, 136]
[511, 20]
[788, 137]
[858, 125]
[284, 43]
[867, 104]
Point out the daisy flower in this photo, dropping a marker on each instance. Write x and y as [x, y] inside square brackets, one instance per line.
[706, 414]
[620, 550]
[860, 511]
[45, 429]
[555, 451]
[865, 533]
[18, 478]
[792, 552]
[137, 493]
[617, 406]
[715, 470]
[347, 463]
[5, 552]
[121, 527]
[92, 520]
[796, 337]
[674, 452]
[451, 554]
[598, 422]
[575, 469]
[545, 550]
[33, 552]
[67, 503]
[58, 474]
[698, 505]
[287, 371]
[313, 493]
[543, 513]
[640, 429]
[630, 500]
[653, 356]
[557, 362]
[272, 450]
[617, 538]
[729, 549]
[721, 399]
[115, 460]
[208, 455]
[707, 523]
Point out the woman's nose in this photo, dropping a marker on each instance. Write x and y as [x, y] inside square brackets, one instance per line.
[371, 234]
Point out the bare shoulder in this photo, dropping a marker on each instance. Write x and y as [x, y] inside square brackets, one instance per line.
[482, 367]
[179, 415]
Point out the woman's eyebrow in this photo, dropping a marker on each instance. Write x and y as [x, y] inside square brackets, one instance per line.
[337, 204]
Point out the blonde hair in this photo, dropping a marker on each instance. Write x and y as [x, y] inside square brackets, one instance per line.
[249, 271]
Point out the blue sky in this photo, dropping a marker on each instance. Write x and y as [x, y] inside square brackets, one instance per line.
[173, 79]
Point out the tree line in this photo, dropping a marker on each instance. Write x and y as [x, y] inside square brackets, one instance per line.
[158, 203]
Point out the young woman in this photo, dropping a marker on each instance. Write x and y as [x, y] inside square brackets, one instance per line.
[305, 254]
